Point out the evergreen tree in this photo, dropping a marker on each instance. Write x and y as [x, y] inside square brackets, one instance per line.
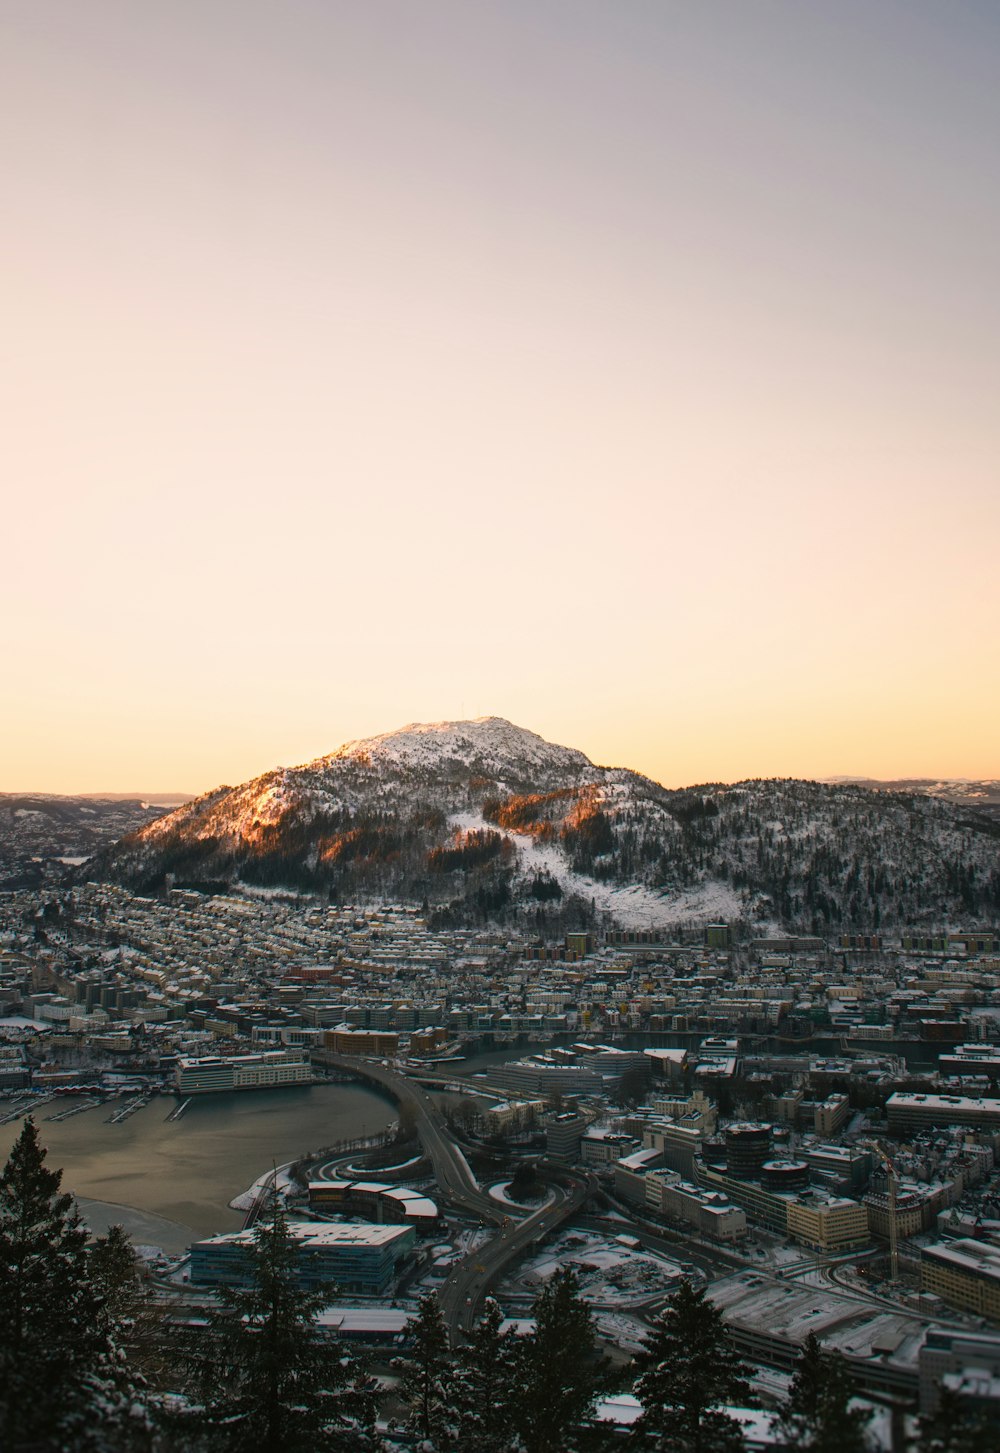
[114, 1271]
[62, 1384]
[271, 1380]
[955, 1428]
[688, 1367]
[560, 1370]
[426, 1382]
[486, 1386]
[817, 1414]
[142, 1349]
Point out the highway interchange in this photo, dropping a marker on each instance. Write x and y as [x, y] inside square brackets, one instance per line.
[516, 1230]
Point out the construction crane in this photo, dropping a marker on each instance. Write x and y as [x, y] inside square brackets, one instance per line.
[892, 1179]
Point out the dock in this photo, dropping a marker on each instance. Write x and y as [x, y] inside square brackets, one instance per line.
[90, 1103]
[117, 1117]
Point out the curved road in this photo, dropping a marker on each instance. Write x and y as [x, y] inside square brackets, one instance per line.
[470, 1279]
[451, 1169]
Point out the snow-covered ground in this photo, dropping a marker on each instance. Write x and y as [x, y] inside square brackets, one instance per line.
[611, 1276]
[624, 1331]
[458, 1153]
[282, 1182]
[445, 1255]
[469, 1240]
[632, 907]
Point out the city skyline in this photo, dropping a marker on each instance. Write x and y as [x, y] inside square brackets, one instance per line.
[626, 373]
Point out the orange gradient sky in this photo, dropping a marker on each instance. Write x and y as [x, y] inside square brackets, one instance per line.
[629, 370]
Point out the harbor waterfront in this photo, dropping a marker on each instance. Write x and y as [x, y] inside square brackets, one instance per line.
[171, 1181]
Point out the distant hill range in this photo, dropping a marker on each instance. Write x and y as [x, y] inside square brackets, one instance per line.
[965, 791]
[154, 799]
[44, 836]
[485, 821]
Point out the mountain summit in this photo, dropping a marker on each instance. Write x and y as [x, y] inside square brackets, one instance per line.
[483, 819]
[487, 746]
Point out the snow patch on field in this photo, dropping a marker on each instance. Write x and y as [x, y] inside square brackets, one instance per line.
[611, 1277]
[459, 1155]
[282, 1183]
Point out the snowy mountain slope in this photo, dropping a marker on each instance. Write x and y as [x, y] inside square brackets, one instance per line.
[439, 758]
[482, 819]
[630, 905]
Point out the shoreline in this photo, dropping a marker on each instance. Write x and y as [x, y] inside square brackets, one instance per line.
[172, 1182]
[145, 1228]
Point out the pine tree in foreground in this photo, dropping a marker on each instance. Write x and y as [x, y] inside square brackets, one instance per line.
[560, 1370]
[63, 1383]
[114, 1271]
[427, 1381]
[486, 1387]
[817, 1414]
[688, 1368]
[271, 1380]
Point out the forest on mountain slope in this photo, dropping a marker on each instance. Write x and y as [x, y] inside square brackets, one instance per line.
[814, 857]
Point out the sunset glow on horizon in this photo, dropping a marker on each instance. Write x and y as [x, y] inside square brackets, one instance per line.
[627, 371]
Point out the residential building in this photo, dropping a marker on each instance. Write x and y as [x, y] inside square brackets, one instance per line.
[373, 1043]
[831, 1115]
[827, 1223]
[563, 1133]
[964, 1273]
[908, 1112]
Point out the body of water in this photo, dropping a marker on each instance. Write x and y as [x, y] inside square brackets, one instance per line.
[179, 1176]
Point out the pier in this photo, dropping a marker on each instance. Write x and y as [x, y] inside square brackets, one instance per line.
[25, 1106]
[129, 1108]
[90, 1103]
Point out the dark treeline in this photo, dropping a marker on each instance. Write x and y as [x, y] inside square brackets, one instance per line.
[470, 850]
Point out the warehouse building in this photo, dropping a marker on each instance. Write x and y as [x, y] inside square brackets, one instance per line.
[769, 1321]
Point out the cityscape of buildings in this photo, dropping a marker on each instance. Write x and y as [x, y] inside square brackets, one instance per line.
[817, 1122]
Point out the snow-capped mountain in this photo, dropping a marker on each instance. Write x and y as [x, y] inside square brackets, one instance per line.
[488, 746]
[484, 819]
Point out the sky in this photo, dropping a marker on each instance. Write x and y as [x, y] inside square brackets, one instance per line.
[626, 369]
